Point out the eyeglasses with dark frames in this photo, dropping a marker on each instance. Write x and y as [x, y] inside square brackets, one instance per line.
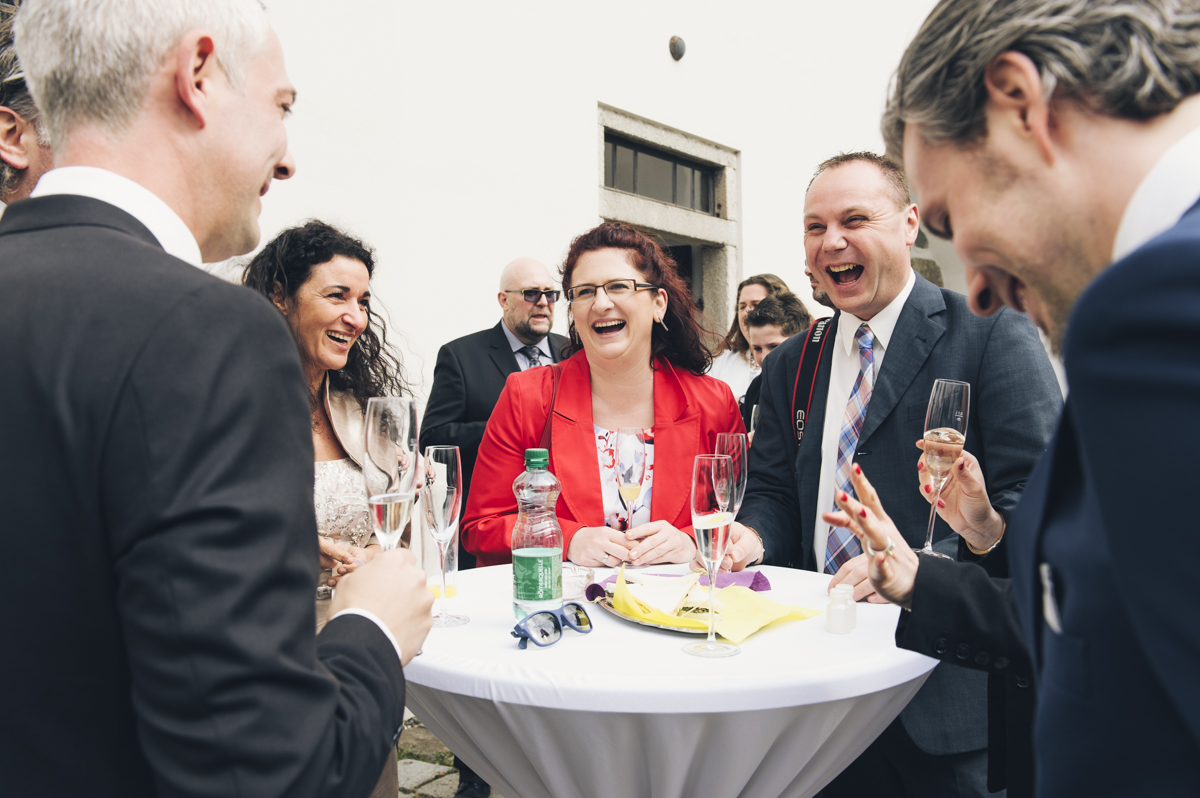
[534, 295]
[545, 628]
[615, 289]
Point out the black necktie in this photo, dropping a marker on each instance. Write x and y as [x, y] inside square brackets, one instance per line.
[532, 354]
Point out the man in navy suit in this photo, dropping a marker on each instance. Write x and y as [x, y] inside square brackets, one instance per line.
[1058, 146]
[896, 333]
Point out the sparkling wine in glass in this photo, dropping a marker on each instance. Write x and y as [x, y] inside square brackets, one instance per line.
[945, 434]
[631, 464]
[390, 465]
[441, 496]
[734, 445]
[712, 494]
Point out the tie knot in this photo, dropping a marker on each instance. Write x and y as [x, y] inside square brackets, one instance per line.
[864, 337]
[532, 354]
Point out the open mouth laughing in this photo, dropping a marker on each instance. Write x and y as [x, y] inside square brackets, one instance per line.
[845, 273]
[339, 338]
[608, 326]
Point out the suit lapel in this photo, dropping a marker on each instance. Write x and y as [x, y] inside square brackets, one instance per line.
[501, 353]
[808, 459]
[912, 340]
[676, 442]
[572, 431]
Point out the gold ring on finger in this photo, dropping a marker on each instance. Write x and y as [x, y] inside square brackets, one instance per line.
[887, 552]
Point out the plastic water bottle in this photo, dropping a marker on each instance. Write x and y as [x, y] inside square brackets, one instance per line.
[537, 540]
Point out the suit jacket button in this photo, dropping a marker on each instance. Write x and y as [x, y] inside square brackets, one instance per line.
[963, 651]
[1000, 663]
[982, 658]
[1022, 682]
[940, 645]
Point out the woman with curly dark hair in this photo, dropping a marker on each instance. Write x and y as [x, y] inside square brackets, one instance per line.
[319, 278]
[637, 359]
[734, 363]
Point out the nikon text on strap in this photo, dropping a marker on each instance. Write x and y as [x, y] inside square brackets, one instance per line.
[806, 371]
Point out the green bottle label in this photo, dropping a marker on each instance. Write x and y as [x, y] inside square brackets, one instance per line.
[537, 574]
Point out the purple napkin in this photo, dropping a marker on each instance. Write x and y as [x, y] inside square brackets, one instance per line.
[755, 580]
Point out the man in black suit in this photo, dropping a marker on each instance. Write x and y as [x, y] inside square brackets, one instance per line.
[471, 370]
[895, 334]
[467, 382]
[158, 440]
[24, 145]
[1056, 146]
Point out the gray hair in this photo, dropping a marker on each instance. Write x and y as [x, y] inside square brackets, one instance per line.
[14, 94]
[91, 61]
[1132, 59]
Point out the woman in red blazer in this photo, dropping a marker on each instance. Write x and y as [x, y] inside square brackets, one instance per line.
[639, 359]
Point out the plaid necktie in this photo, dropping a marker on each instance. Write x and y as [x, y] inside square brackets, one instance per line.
[842, 545]
[532, 354]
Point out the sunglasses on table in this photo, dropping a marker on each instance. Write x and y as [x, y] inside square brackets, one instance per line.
[534, 295]
[545, 628]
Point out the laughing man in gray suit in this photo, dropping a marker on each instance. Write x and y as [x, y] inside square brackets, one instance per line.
[893, 335]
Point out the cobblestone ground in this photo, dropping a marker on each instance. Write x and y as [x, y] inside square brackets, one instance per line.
[425, 765]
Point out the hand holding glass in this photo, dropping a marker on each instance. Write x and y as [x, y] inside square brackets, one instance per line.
[945, 434]
[712, 493]
[441, 496]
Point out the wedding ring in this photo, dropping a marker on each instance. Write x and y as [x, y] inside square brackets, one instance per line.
[891, 546]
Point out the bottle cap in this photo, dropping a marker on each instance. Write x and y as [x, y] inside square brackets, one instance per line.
[537, 458]
[842, 593]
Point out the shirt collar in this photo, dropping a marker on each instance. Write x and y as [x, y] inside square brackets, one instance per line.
[517, 344]
[133, 198]
[1168, 190]
[882, 325]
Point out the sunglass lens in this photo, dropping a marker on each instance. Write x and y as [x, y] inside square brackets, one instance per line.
[578, 617]
[543, 628]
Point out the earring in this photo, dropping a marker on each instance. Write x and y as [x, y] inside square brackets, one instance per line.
[664, 324]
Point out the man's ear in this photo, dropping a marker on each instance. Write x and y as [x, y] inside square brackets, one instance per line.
[13, 148]
[912, 224]
[1016, 99]
[195, 68]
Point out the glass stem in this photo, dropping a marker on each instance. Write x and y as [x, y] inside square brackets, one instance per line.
[712, 605]
[932, 519]
[442, 562]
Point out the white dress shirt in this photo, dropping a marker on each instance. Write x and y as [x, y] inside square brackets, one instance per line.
[1168, 190]
[842, 374]
[517, 345]
[166, 226]
[136, 200]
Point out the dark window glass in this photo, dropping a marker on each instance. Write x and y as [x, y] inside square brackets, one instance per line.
[683, 187]
[655, 177]
[704, 190]
[623, 168]
[608, 163]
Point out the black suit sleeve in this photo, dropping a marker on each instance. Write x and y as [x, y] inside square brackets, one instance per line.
[208, 495]
[443, 424]
[770, 505]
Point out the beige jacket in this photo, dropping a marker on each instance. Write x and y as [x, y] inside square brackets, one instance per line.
[348, 420]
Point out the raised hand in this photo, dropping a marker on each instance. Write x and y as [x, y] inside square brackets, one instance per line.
[891, 564]
[964, 504]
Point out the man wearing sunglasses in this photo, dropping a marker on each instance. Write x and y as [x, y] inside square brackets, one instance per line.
[469, 377]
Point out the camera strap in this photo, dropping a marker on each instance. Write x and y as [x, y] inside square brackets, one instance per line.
[806, 370]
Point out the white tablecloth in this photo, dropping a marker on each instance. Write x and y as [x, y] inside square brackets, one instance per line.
[623, 711]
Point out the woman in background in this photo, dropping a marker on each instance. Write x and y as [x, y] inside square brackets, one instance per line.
[637, 358]
[734, 363]
[319, 279]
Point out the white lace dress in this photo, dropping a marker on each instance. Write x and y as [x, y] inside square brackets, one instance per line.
[340, 498]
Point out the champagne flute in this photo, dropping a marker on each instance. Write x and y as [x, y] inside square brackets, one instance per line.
[754, 418]
[441, 496]
[734, 445]
[712, 493]
[945, 434]
[631, 465]
[389, 465]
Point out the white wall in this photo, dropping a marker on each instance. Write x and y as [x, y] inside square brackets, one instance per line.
[456, 136]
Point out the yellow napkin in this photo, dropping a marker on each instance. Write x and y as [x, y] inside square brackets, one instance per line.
[744, 612]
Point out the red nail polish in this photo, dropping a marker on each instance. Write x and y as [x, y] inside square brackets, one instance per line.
[928, 489]
[857, 468]
[920, 466]
[845, 498]
[941, 504]
[863, 512]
